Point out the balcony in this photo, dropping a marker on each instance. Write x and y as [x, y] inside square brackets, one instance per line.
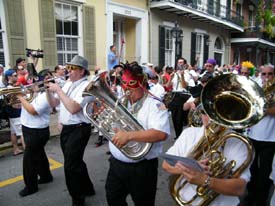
[251, 36]
[212, 12]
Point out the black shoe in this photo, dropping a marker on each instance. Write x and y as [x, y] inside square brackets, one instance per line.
[45, 180]
[79, 202]
[90, 193]
[108, 153]
[26, 192]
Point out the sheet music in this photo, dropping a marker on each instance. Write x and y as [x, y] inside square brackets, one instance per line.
[186, 161]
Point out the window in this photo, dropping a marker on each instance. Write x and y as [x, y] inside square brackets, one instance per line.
[238, 9]
[199, 49]
[219, 51]
[67, 34]
[2, 56]
[236, 56]
[250, 20]
[218, 44]
[168, 47]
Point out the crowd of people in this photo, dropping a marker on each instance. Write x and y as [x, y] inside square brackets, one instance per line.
[152, 94]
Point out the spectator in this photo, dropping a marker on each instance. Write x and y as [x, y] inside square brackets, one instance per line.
[112, 58]
[14, 112]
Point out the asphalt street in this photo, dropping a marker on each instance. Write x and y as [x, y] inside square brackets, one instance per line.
[56, 193]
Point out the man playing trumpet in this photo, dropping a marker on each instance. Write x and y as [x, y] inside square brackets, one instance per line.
[76, 129]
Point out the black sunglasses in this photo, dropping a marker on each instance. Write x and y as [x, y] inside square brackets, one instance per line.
[268, 73]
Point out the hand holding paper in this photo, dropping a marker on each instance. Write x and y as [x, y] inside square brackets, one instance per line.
[186, 161]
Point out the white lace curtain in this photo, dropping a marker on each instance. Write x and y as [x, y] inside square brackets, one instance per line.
[65, 13]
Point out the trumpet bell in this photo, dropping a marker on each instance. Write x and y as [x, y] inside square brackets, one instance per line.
[233, 101]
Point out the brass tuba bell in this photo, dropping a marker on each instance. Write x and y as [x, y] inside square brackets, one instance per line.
[231, 101]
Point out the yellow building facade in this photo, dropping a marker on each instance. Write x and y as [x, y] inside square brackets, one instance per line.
[64, 28]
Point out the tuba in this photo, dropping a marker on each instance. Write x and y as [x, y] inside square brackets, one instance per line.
[106, 112]
[218, 98]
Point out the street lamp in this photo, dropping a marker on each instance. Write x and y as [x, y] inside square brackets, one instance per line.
[176, 32]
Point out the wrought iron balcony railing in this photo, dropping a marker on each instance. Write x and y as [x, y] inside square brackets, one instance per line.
[212, 8]
[253, 32]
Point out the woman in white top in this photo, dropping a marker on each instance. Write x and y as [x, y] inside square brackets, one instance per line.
[35, 118]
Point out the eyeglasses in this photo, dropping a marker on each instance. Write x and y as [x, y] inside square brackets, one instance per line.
[208, 65]
[268, 73]
[20, 69]
[14, 75]
[72, 67]
[244, 72]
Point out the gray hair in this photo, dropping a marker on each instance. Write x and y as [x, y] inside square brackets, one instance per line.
[269, 65]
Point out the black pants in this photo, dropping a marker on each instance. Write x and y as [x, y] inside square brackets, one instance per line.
[137, 179]
[179, 116]
[259, 185]
[35, 161]
[74, 139]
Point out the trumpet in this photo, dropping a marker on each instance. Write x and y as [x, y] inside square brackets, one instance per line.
[28, 91]
[9, 94]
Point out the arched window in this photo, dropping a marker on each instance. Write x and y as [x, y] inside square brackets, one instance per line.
[218, 44]
[219, 51]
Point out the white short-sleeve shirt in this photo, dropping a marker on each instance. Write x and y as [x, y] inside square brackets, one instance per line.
[74, 90]
[233, 150]
[263, 130]
[176, 81]
[157, 90]
[43, 109]
[152, 115]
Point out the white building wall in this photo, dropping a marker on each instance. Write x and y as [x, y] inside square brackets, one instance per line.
[188, 26]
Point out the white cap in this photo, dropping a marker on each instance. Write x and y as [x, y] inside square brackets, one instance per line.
[150, 64]
[1, 66]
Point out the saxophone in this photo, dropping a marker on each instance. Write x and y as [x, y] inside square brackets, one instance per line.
[231, 101]
[107, 112]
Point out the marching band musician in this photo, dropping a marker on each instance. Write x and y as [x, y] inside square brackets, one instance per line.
[229, 189]
[76, 129]
[180, 80]
[262, 136]
[35, 118]
[137, 177]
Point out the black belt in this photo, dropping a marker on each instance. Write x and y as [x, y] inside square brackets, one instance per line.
[139, 162]
[45, 128]
[82, 124]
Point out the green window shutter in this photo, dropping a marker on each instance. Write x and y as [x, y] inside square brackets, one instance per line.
[89, 35]
[48, 33]
[205, 48]
[15, 29]
[193, 48]
[161, 46]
